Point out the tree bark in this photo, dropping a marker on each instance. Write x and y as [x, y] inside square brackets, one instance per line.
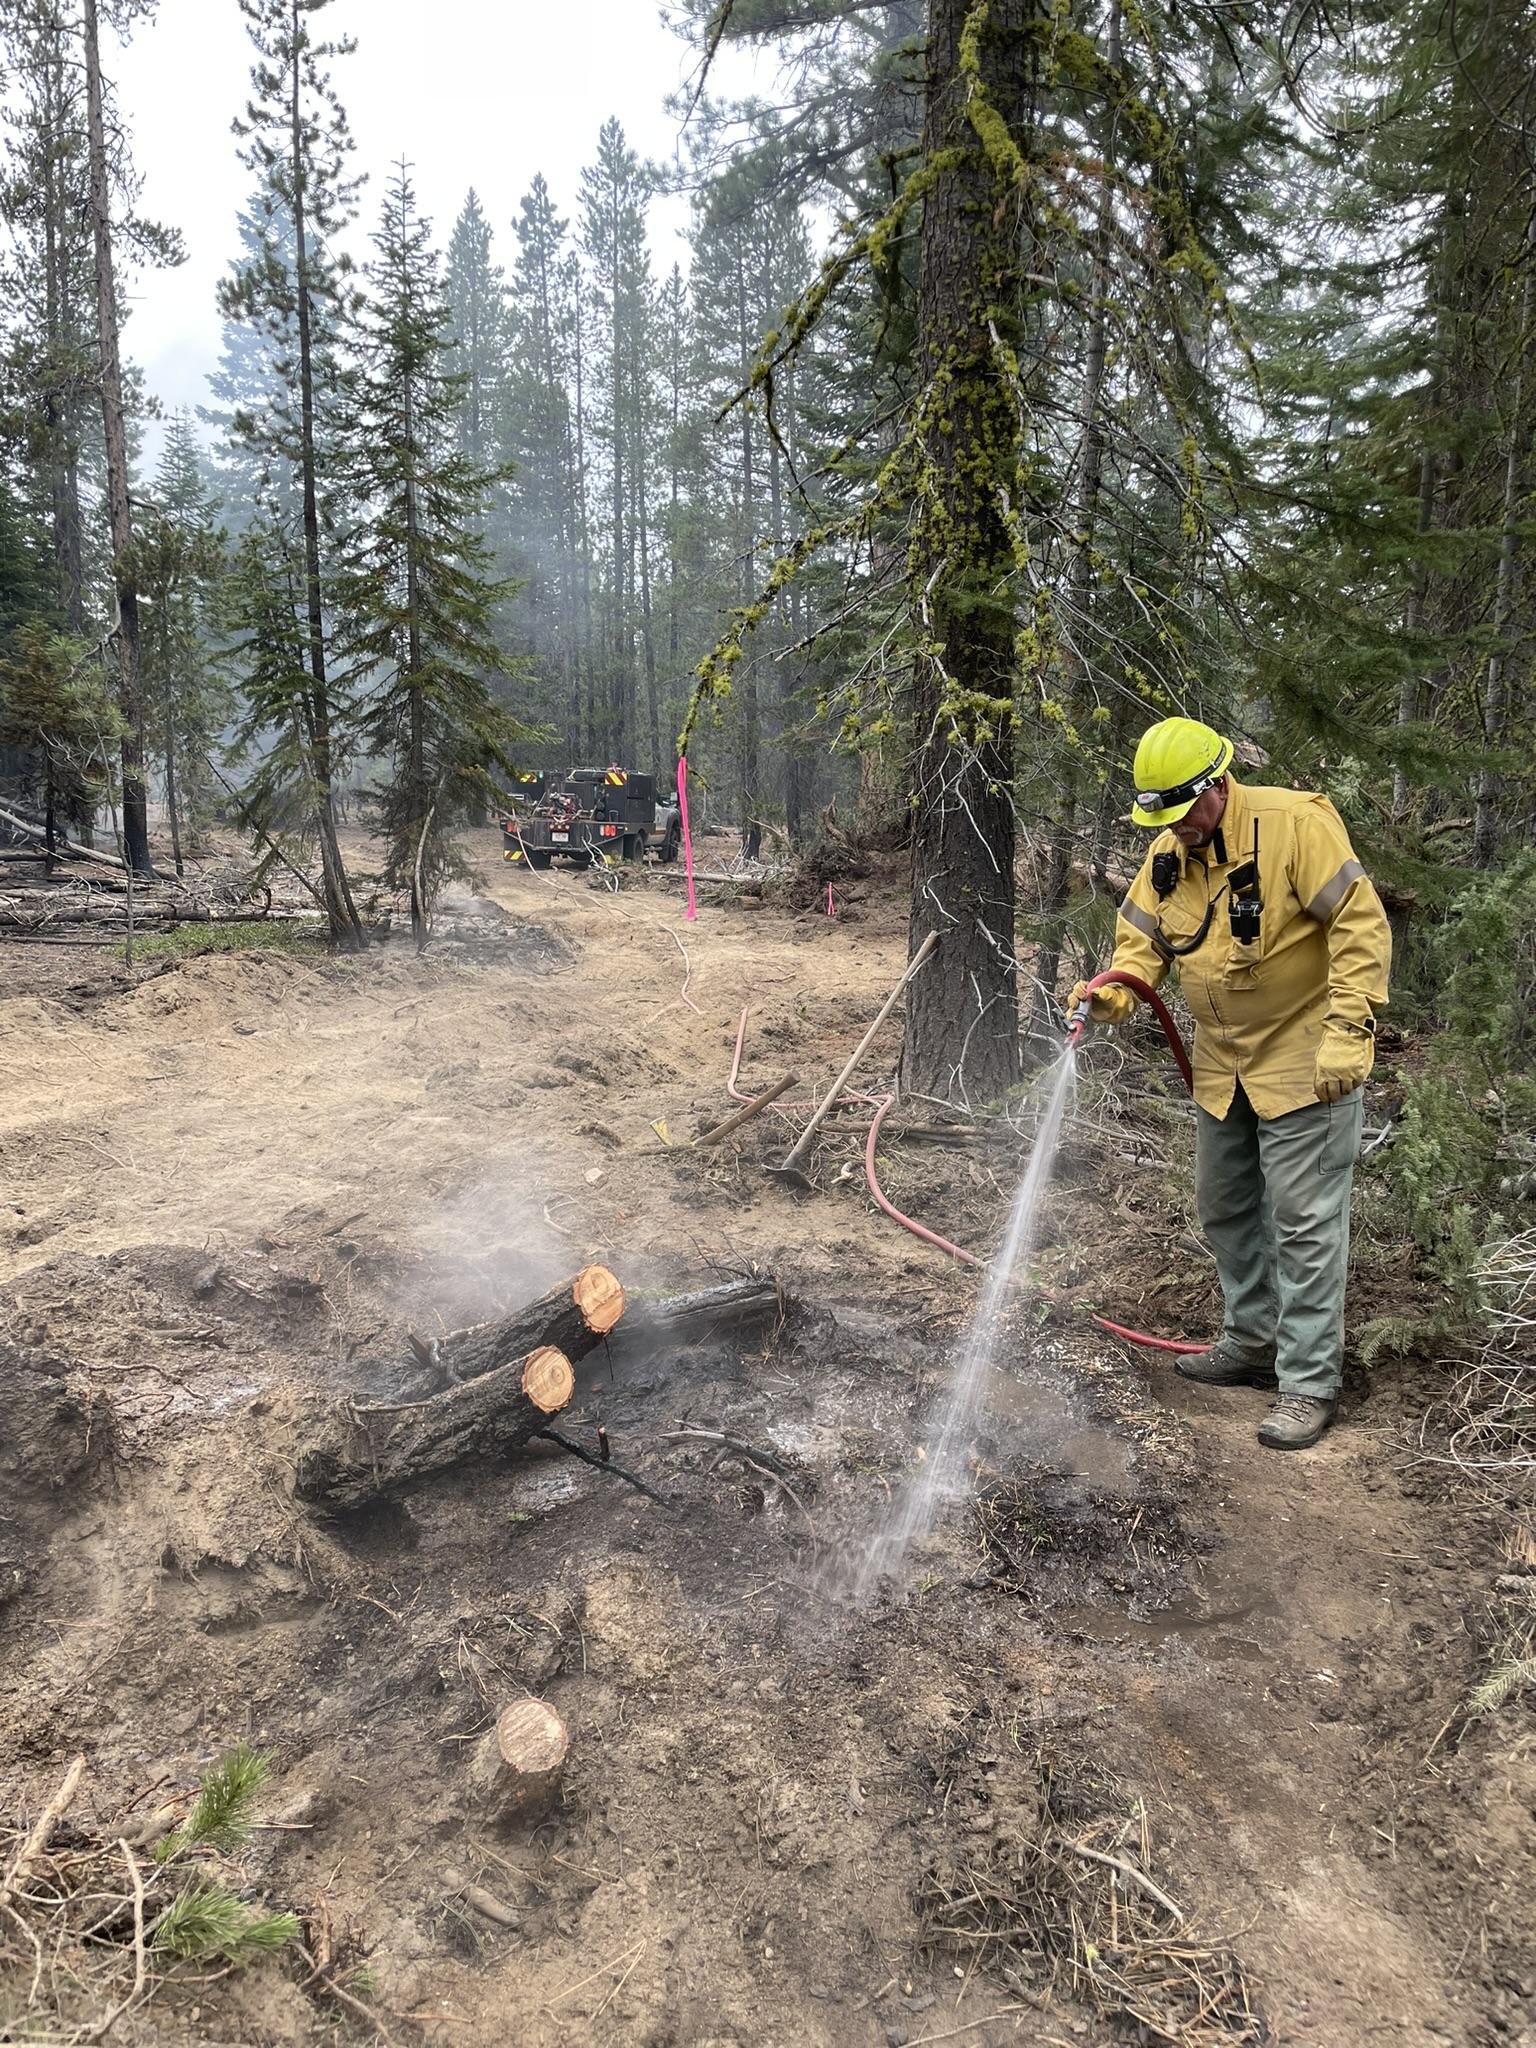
[747, 674]
[61, 401]
[1485, 830]
[119, 506]
[641, 522]
[421, 805]
[962, 1037]
[172, 800]
[345, 923]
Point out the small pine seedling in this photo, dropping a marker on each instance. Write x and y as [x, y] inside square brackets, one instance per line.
[221, 1813]
[204, 1923]
[1501, 1684]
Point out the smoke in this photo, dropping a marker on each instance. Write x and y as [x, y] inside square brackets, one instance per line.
[491, 1244]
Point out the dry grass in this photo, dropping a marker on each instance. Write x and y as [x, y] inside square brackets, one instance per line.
[1073, 1908]
[1491, 1405]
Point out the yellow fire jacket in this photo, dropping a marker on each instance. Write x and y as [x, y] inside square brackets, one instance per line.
[1322, 954]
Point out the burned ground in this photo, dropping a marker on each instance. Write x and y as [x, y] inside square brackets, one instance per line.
[791, 1815]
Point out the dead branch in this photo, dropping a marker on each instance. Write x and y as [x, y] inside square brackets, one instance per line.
[140, 1960]
[1128, 1870]
[747, 1111]
[42, 1828]
[577, 1450]
[65, 849]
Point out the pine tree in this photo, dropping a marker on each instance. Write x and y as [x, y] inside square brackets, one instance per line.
[56, 710]
[1385, 587]
[297, 140]
[114, 412]
[615, 192]
[751, 261]
[476, 294]
[53, 359]
[56, 715]
[254, 464]
[188, 701]
[990, 459]
[539, 447]
[419, 592]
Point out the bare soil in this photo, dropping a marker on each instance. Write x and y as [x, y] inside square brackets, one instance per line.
[231, 1185]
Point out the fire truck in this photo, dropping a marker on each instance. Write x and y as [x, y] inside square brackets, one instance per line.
[589, 815]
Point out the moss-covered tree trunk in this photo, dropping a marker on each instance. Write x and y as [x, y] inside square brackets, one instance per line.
[962, 1039]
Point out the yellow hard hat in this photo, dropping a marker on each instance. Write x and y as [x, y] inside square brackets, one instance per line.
[1177, 761]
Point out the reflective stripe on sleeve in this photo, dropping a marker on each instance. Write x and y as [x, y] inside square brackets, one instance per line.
[1134, 914]
[1332, 893]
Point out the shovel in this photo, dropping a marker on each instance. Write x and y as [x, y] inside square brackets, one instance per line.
[792, 1166]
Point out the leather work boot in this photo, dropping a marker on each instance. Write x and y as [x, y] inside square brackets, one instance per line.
[1295, 1422]
[1221, 1366]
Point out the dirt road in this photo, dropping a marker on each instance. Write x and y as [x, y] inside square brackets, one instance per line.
[231, 1187]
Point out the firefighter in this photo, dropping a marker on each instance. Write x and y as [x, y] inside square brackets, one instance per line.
[1282, 950]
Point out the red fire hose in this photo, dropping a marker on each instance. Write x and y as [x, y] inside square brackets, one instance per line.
[917, 1229]
[1159, 1009]
[1155, 1003]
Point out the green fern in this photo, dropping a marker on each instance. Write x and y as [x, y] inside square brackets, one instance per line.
[1501, 1684]
[204, 1923]
[221, 1813]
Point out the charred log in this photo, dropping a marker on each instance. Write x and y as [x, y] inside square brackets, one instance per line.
[508, 1378]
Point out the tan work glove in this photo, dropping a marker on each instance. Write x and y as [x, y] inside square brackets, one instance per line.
[1345, 1055]
[1110, 1005]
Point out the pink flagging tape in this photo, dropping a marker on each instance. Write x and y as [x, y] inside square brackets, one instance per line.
[831, 911]
[682, 807]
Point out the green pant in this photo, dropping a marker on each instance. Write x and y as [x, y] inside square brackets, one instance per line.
[1274, 1205]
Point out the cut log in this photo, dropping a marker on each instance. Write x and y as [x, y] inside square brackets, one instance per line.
[511, 1376]
[379, 1452]
[548, 1379]
[514, 1771]
[574, 1317]
[689, 1318]
[111, 919]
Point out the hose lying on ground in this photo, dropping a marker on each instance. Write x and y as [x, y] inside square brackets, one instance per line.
[917, 1229]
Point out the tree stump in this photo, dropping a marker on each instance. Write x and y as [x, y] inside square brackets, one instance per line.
[514, 1770]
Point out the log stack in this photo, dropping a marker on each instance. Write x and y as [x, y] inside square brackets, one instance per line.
[508, 1378]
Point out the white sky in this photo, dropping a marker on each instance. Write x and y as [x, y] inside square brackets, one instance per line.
[474, 92]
